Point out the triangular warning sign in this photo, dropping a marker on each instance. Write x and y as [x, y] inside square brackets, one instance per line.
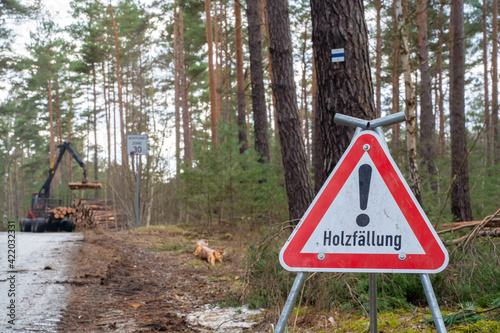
[365, 219]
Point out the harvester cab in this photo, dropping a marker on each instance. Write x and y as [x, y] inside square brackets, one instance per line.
[40, 216]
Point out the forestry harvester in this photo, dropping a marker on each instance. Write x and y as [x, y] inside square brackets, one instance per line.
[43, 214]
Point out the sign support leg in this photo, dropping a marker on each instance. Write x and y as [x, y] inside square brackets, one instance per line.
[433, 304]
[290, 302]
[372, 284]
[137, 191]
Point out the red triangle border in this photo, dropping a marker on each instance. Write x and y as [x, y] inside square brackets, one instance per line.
[435, 258]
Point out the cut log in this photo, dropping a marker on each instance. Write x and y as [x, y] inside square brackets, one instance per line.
[202, 251]
[85, 186]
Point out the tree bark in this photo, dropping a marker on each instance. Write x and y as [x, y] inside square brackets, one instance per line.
[5, 195]
[270, 71]
[317, 146]
[120, 95]
[17, 154]
[304, 108]
[227, 68]
[427, 120]
[378, 61]
[344, 87]
[94, 114]
[177, 92]
[460, 198]
[58, 112]
[211, 74]
[69, 158]
[494, 83]
[489, 141]
[52, 142]
[298, 182]
[186, 119]
[439, 69]
[410, 99]
[257, 79]
[240, 78]
[396, 129]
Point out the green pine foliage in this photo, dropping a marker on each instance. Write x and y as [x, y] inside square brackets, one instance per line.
[226, 186]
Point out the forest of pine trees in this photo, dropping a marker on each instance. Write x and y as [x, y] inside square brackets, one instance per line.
[238, 98]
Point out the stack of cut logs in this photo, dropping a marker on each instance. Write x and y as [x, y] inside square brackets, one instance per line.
[62, 212]
[95, 214]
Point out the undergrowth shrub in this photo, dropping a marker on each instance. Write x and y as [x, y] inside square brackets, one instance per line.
[224, 185]
[472, 276]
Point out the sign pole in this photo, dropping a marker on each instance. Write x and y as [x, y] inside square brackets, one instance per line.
[433, 304]
[290, 302]
[137, 144]
[372, 291]
[137, 191]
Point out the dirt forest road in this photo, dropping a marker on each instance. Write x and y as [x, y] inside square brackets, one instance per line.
[119, 282]
[42, 261]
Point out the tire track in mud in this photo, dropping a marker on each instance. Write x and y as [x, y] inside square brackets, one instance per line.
[119, 287]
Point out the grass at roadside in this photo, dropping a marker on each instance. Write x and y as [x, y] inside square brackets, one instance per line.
[468, 290]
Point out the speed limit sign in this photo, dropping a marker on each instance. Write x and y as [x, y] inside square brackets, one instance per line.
[137, 144]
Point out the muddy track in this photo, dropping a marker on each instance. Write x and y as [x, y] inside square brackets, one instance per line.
[117, 286]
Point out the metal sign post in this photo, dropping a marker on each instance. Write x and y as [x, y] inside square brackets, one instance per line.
[137, 144]
[136, 190]
[327, 240]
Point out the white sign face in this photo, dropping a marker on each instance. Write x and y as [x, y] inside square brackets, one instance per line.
[137, 144]
[385, 231]
[338, 55]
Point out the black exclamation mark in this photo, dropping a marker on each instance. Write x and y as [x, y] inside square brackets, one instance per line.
[365, 176]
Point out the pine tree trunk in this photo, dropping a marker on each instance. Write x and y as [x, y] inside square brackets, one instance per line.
[69, 158]
[317, 145]
[58, 112]
[344, 87]
[298, 183]
[52, 142]
[395, 83]
[460, 197]
[218, 59]
[186, 119]
[257, 79]
[227, 69]
[378, 61]
[17, 153]
[305, 111]
[177, 94]
[211, 74]
[96, 164]
[439, 69]
[494, 83]
[270, 72]
[410, 99]
[5, 195]
[120, 94]
[427, 120]
[489, 141]
[240, 78]
[107, 111]
[58, 128]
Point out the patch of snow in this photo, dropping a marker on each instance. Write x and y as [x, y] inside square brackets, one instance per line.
[224, 320]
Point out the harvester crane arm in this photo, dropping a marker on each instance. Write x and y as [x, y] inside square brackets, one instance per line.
[45, 190]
